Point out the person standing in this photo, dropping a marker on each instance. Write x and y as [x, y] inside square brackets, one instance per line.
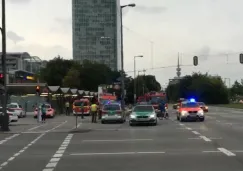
[94, 109]
[67, 107]
[43, 111]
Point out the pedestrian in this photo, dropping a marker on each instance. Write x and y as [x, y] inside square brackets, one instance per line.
[43, 111]
[67, 107]
[94, 109]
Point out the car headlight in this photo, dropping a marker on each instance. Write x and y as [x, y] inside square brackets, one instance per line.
[152, 115]
[183, 113]
[206, 107]
[200, 112]
[132, 116]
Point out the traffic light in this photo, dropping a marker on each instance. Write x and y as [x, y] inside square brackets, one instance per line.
[1, 79]
[195, 60]
[241, 58]
[37, 89]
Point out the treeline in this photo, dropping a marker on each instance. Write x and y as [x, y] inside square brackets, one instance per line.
[202, 87]
[89, 75]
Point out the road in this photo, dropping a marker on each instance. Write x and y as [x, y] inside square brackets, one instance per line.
[213, 145]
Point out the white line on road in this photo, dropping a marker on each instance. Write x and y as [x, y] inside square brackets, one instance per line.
[205, 138]
[118, 153]
[211, 151]
[56, 127]
[118, 140]
[21, 151]
[181, 124]
[77, 126]
[194, 138]
[188, 128]
[8, 138]
[59, 153]
[195, 132]
[226, 152]
[31, 129]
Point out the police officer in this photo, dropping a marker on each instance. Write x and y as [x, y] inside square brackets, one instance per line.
[94, 109]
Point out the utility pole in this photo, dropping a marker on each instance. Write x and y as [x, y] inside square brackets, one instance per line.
[5, 122]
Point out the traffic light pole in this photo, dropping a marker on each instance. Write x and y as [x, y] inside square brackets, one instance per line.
[5, 122]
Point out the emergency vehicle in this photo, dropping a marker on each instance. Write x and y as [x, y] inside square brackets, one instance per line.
[77, 106]
[189, 110]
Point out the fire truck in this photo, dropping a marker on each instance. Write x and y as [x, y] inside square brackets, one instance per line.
[154, 98]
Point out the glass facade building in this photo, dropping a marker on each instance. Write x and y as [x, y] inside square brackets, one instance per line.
[96, 31]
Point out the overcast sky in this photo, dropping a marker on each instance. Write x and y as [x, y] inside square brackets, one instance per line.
[210, 29]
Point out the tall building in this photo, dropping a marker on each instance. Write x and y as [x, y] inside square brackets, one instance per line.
[96, 31]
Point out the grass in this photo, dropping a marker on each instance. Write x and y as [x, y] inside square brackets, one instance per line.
[232, 105]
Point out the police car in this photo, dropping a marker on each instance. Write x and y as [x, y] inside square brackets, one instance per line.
[190, 110]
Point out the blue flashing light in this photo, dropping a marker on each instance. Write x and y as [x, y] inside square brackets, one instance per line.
[192, 100]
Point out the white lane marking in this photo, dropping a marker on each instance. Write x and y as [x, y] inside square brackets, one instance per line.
[215, 138]
[56, 126]
[181, 124]
[118, 153]
[194, 138]
[226, 152]
[59, 153]
[188, 128]
[237, 151]
[205, 138]
[117, 140]
[21, 151]
[211, 151]
[195, 132]
[8, 138]
[31, 129]
[77, 126]
[218, 121]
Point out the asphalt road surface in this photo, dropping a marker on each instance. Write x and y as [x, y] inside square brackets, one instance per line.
[213, 145]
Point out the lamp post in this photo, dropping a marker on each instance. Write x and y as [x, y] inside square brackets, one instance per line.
[122, 57]
[4, 126]
[134, 86]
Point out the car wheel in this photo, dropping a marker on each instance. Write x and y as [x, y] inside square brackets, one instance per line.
[201, 120]
[181, 119]
[103, 122]
[131, 124]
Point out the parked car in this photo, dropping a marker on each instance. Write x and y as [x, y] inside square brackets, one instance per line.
[50, 111]
[15, 107]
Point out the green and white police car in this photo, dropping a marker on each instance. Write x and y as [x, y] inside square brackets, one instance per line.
[143, 114]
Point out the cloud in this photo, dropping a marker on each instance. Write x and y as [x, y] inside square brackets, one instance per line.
[150, 10]
[19, 1]
[204, 53]
[44, 52]
[14, 37]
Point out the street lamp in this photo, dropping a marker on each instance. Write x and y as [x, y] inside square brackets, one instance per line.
[4, 126]
[134, 87]
[122, 57]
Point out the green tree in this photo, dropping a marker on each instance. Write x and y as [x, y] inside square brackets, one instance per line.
[203, 87]
[72, 79]
[55, 70]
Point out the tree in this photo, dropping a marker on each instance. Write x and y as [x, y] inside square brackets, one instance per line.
[236, 90]
[72, 79]
[203, 87]
[55, 70]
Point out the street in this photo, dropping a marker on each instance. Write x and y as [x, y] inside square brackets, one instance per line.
[213, 145]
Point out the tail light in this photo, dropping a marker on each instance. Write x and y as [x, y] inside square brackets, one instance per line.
[49, 110]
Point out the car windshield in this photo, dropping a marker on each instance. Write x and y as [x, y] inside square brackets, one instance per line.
[187, 105]
[201, 104]
[12, 106]
[143, 109]
[112, 107]
[78, 103]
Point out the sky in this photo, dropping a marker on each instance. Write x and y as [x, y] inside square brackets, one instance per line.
[209, 29]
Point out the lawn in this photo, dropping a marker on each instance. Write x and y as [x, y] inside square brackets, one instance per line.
[232, 105]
